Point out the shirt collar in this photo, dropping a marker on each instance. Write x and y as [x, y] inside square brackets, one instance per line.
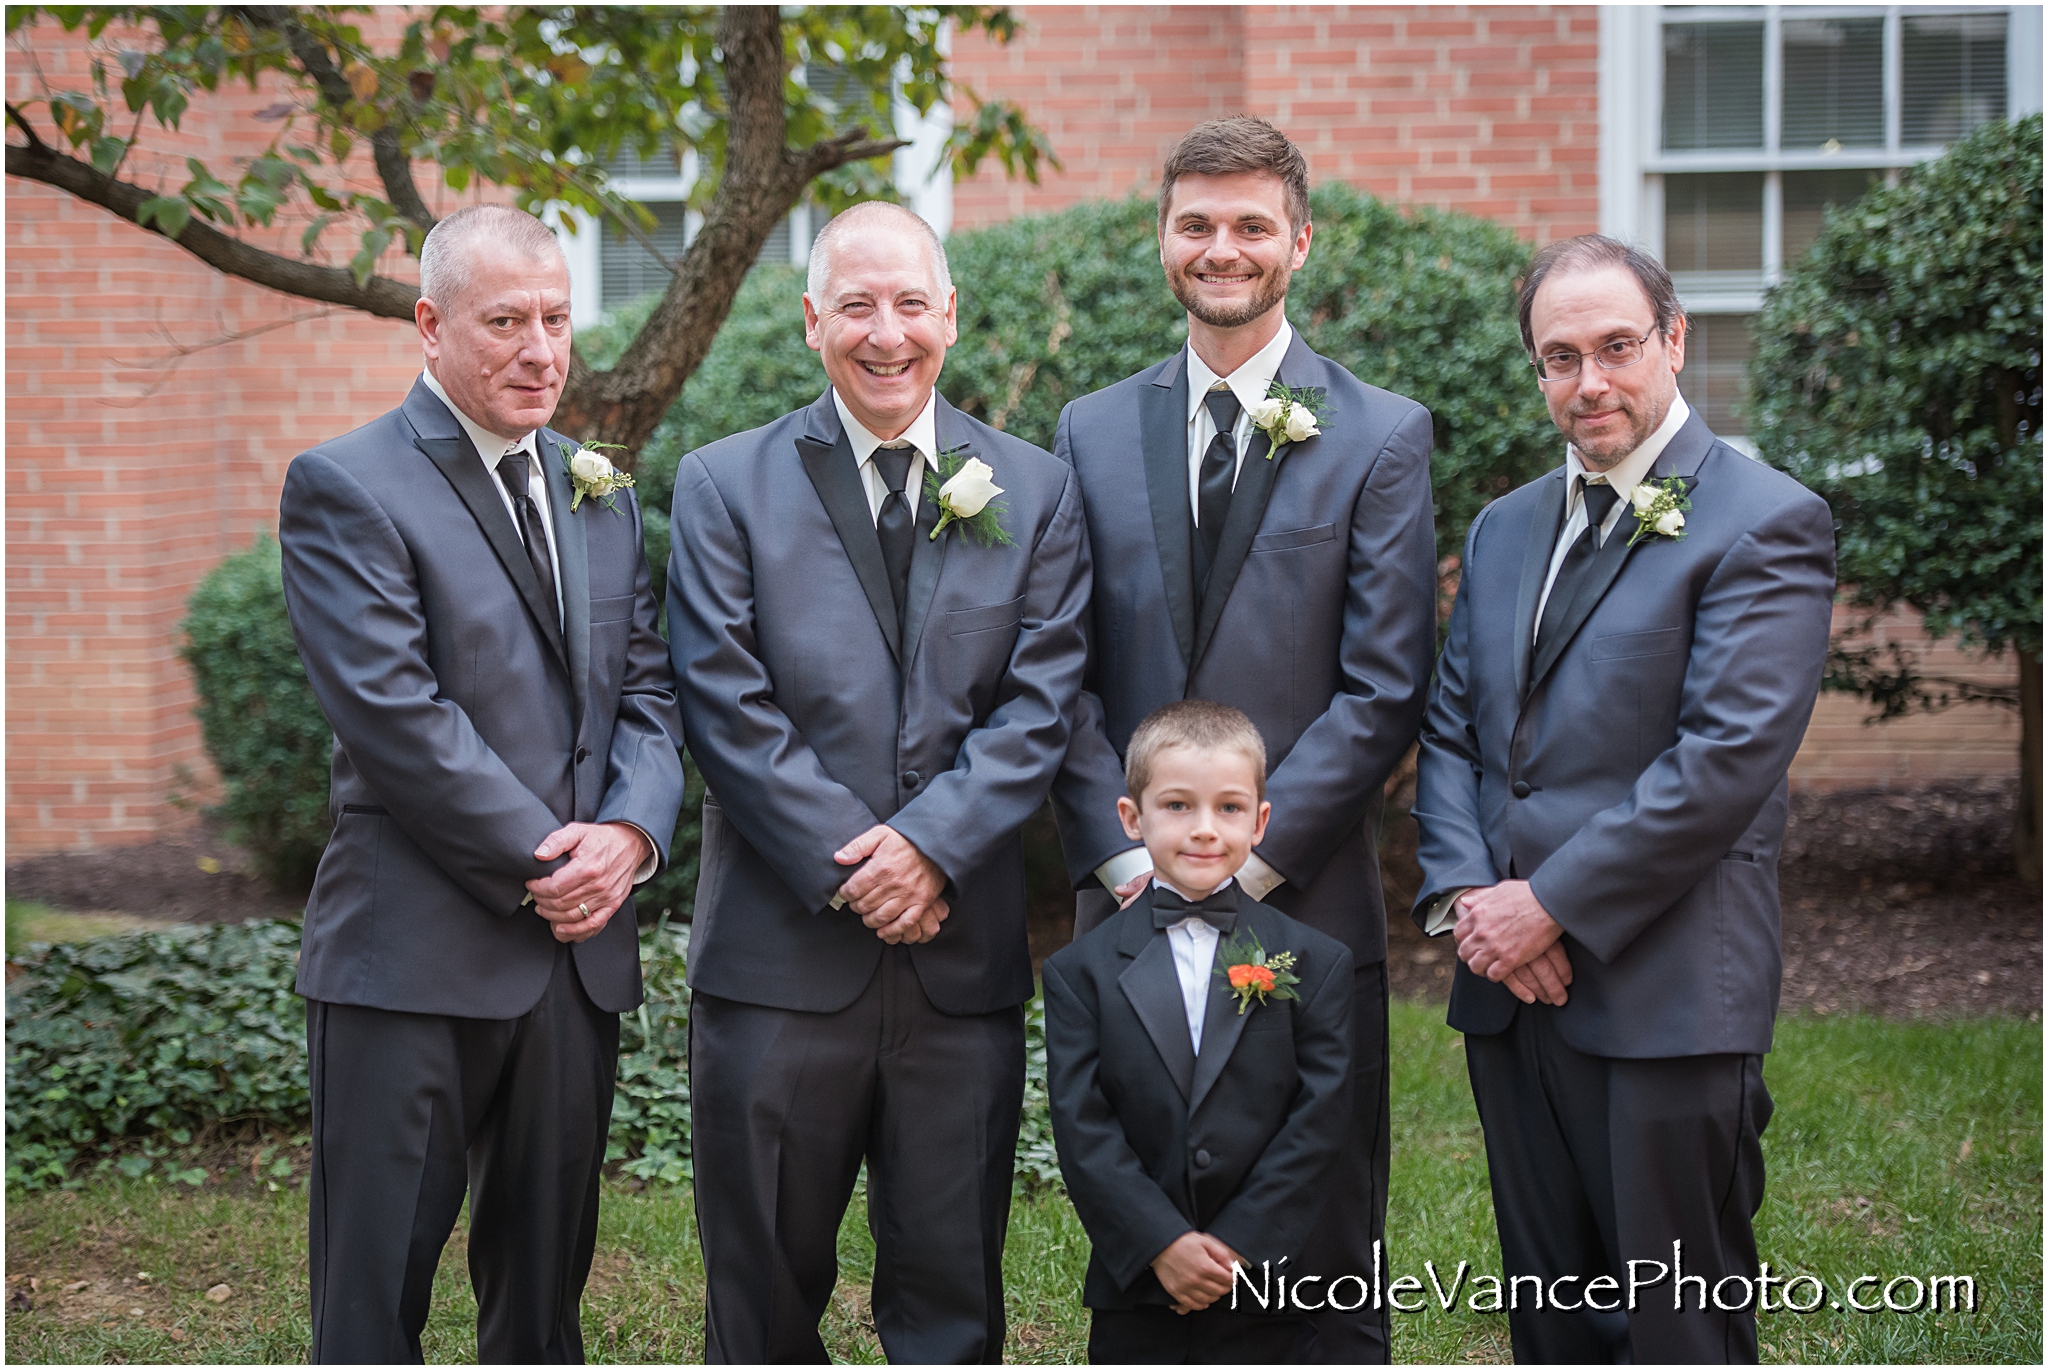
[923, 433]
[1626, 474]
[1249, 382]
[490, 446]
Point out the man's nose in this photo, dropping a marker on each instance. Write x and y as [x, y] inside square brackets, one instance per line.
[887, 329]
[535, 347]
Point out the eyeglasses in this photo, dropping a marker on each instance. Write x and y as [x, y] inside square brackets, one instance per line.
[1612, 356]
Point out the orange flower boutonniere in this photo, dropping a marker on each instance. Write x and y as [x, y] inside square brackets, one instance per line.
[1252, 973]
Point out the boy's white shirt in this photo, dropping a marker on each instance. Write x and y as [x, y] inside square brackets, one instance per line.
[1193, 942]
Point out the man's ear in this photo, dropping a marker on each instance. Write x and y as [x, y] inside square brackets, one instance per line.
[1128, 812]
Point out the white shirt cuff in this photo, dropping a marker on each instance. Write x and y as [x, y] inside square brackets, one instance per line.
[1123, 868]
[1444, 913]
[653, 861]
[1258, 878]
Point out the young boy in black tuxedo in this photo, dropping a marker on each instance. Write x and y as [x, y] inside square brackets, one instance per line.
[1199, 1061]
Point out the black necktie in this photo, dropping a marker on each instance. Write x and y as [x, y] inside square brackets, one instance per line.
[1219, 471]
[514, 470]
[1579, 560]
[894, 525]
[1219, 910]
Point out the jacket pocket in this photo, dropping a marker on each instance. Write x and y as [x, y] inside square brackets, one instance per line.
[611, 609]
[1624, 646]
[987, 618]
[1294, 537]
[374, 810]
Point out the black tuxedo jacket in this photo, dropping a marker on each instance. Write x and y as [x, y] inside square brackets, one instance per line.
[1155, 1141]
[815, 714]
[469, 721]
[1319, 621]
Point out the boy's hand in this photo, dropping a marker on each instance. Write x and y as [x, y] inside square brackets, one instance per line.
[1196, 1270]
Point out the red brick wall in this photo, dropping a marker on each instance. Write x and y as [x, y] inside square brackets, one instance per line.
[1491, 110]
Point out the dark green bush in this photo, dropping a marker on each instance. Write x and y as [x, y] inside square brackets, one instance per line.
[257, 715]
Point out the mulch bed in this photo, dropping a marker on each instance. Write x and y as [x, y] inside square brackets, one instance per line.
[1900, 903]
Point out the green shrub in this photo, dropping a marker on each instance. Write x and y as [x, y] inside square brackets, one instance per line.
[114, 1043]
[261, 725]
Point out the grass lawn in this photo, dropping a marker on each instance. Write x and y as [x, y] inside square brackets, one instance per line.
[1897, 1149]
[29, 922]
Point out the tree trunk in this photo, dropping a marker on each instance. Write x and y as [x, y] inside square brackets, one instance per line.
[2026, 833]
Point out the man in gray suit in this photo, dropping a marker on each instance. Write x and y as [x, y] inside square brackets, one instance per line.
[878, 703]
[1295, 580]
[505, 769]
[1634, 653]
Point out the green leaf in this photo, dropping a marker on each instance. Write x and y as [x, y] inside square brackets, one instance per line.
[168, 212]
[107, 154]
[364, 264]
[312, 234]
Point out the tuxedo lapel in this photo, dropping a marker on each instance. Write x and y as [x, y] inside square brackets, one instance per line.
[1222, 1025]
[928, 557]
[451, 450]
[572, 557]
[1162, 430]
[1544, 525]
[1153, 988]
[828, 460]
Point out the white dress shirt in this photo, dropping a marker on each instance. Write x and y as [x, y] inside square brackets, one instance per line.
[1249, 383]
[923, 437]
[1625, 475]
[490, 447]
[1193, 942]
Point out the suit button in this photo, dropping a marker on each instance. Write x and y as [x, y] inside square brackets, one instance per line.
[582, 755]
[1202, 1159]
[911, 780]
[1521, 789]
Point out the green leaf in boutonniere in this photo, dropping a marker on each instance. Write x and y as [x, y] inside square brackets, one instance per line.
[1289, 415]
[963, 489]
[592, 474]
[1660, 509]
[1251, 973]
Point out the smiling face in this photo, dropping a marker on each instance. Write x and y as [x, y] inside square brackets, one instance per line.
[1228, 249]
[882, 326]
[1199, 817]
[500, 348]
[1605, 414]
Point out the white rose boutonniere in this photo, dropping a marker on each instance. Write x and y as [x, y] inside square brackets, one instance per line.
[1289, 415]
[592, 475]
[1660, 509]
[963, 489]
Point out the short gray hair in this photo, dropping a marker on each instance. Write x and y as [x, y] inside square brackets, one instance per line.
[446, 258]
[864, 214]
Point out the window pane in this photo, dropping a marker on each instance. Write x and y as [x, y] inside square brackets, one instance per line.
[776, 249]
[1954, 69]
[1713, 86]
[629, 162]
[625, 271]
[1714, 222]
[1809, 193]
[1716, 358]
[1834, 83]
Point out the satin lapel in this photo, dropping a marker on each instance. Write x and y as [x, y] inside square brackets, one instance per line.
[1162, 430]
[1543, 529]
[1153, 988]
[1222, 1025]
[832, 471]
[572, 556]
[1247, 509]
[1607, 563]
[458, 462]
[928, 558]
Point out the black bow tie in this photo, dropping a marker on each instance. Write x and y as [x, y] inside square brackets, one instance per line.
[1219, 910]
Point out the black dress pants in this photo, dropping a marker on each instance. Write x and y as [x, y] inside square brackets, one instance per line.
[1216, 1335]
[1598, 1161]
[784, 1106]
[412, 1110]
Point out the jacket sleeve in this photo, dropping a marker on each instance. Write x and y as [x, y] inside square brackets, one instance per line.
[644, 772]
[1321, 790]
[1452, 850]
[1129, 1218]
[353, 595]
[1005, 766]
[776, 790]
[1760, 640]
[1275, 1205]
[1091, 778]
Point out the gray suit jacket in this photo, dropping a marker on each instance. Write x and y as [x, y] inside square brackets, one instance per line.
[1318, 622]
[815, 715]
[1632, 766]
[468, 725]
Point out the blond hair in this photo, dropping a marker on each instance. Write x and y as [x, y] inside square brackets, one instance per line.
[1199, 723]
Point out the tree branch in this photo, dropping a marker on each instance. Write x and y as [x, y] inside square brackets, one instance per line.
[394, 168]
[385, 298]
